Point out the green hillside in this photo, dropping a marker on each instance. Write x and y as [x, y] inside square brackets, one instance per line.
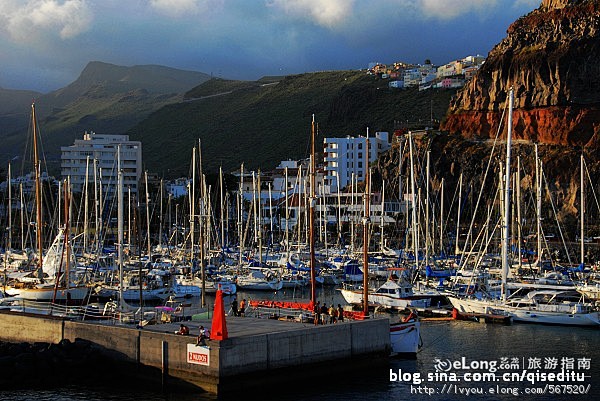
[105, 98]
[261, 123]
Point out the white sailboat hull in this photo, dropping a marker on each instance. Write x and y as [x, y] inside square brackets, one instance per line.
[259, 285]
[534, 314]
[46, 294]
[405, 338]
[355, 297]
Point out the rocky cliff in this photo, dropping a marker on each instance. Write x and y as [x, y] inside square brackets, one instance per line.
[551, 57]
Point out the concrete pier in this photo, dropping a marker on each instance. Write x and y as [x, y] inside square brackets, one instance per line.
[255, 350]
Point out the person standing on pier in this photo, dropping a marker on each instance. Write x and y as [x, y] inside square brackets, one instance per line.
[234, 307]
[242, 311]
[324, 314]
[317, 311]
[340, 314]
[332, 314]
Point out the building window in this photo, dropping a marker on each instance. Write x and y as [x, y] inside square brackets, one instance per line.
[360, 165]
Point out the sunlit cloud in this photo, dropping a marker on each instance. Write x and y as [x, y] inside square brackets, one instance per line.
[449, 9]
[27, 21]
[326, 13]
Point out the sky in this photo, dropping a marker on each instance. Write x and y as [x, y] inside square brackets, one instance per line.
[45, 44]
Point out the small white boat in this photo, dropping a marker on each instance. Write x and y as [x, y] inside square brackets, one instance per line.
[393, 294]
[405, 337]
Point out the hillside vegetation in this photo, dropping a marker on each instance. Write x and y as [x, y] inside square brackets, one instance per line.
[261, 123]
[105, 98]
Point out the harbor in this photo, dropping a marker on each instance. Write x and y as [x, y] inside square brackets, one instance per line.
[310, 236]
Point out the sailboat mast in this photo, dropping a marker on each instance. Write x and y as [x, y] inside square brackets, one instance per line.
[581, 213]
[222, 209]
[160, 216]
[442, 216]
[120, 226]
[86, 204]
[427, 233]
[456, 246]
[241, 215]
[538, 197]
[382, 242]
[9, 240]
[148, 217]
[367, 200]
[66, 244]
[259, 219]
[313, 262]
[519, 232]
[192, 198]
[413, 201]
[505, 239]
[287, 217]
[38, 190]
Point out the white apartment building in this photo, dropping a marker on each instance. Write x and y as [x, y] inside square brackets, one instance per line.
[97, 154]
[345, 158]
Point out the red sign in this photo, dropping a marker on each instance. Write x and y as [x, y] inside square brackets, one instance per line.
[199, 355]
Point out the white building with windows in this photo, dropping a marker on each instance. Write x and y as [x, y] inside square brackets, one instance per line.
[97, 154]
[346, 158]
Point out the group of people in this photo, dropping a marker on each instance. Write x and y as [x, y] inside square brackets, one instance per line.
[331, 315]
[203, 334]
[241, 311]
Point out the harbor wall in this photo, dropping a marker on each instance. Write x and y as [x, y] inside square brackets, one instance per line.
[162, 356]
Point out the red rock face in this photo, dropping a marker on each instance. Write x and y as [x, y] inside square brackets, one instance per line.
[551, 57]
[573, 126]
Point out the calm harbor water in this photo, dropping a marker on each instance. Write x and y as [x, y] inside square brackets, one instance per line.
[462, 348]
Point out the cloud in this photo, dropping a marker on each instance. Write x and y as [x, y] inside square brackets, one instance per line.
[180, 8]
[27, 22]
[449, 9]
[326, 13]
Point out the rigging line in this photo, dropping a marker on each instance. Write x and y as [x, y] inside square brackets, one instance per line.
[591, 185]
[487, 169]
[560, 231]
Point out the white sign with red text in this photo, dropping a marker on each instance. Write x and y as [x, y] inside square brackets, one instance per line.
[197, 354]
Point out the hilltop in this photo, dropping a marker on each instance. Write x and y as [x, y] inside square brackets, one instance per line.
[105, 98]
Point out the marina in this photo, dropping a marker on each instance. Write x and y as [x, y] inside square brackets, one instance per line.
[454, 257]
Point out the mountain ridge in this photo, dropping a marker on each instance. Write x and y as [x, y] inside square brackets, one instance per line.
[105, 97]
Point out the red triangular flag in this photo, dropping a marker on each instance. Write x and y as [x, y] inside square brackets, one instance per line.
[219, 326]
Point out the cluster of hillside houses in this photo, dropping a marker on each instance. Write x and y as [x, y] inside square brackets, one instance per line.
[451, 75]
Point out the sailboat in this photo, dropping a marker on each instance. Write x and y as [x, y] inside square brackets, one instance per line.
[54, 276]
[546, 307]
